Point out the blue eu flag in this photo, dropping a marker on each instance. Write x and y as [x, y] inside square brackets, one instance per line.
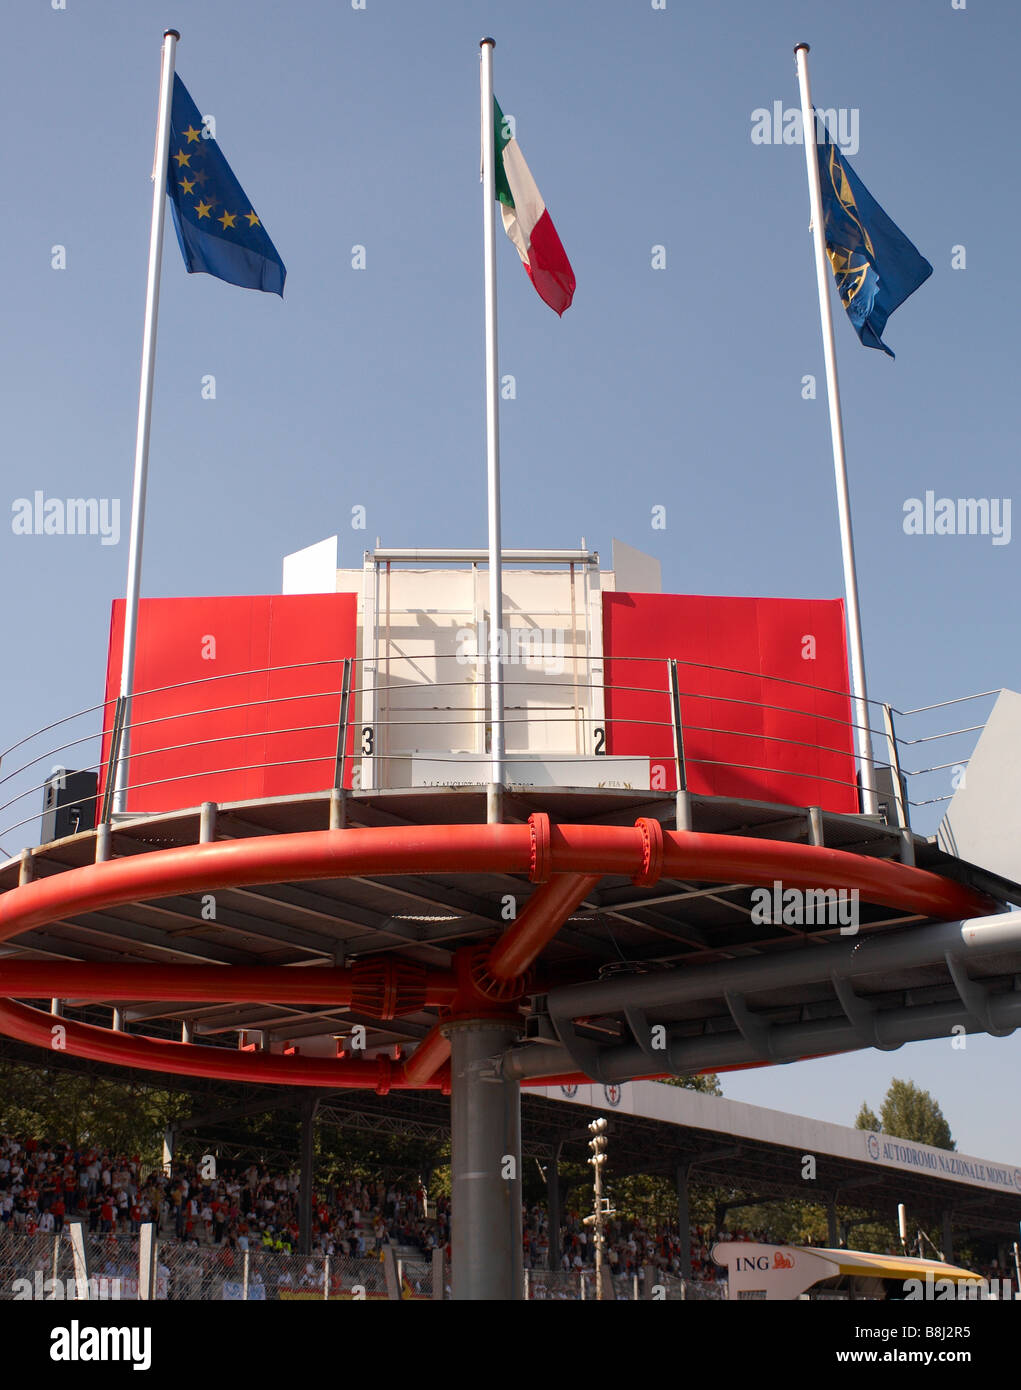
[875, 265]
[217, 227]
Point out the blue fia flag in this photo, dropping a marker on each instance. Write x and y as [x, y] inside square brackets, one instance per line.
[217, 227]
[875, 265]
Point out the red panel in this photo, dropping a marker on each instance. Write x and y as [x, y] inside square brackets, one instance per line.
[210, 721]
[764, 694]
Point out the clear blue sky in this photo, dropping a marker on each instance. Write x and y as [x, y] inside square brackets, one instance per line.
[679, 387]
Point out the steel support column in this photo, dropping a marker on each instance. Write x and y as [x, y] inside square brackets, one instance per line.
[684, 1217]
[485, 1163]
[832, 1230]
[553, 1208]
[309, 1106]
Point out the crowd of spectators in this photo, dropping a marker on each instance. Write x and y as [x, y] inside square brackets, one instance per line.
[42, 1184]
[248, 1207]
[251, 1207]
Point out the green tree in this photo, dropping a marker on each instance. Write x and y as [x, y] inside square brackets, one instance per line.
[867, 1119]
[908, 1112]
[708, 1083]
[79, 1109]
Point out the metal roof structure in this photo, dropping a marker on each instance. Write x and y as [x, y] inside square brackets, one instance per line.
[743, 983]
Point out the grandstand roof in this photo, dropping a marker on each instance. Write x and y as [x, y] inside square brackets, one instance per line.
[745, 1149]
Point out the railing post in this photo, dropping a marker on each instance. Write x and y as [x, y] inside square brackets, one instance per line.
[112, 762]
[683, 817]
[898, 790]
[340, 769]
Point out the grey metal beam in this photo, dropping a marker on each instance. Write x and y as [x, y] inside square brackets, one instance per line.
[627, 899]
[448, 898]
[320, 907]
[788, 1043]
[122, 929]
[309, 1105]
[854, 956]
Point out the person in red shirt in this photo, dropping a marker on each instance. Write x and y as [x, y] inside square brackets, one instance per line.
[58, 1210]
[106, 1216]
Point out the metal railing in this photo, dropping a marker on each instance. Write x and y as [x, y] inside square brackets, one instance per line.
[30, 1266]
[579, 1286]
[349, 717]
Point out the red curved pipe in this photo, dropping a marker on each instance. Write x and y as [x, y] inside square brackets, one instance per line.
[547, 910]
[312, 854]
[737, 859]
[428, 1058]
[274, 984]
[256, 1068]
[189, 1059]
[574, 849]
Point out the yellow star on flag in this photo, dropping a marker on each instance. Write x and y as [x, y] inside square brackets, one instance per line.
[203, 209]
[228, 219]
[187, 185]
[253, 221]
[182, 158]
[192, 134]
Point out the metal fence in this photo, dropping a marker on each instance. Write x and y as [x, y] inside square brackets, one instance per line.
[40, 1267]
[579, 1286]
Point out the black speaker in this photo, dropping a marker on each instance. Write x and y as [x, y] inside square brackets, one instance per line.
[883, 783]
[69, 803]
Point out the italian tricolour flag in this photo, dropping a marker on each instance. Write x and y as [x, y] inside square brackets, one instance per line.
[527, 222]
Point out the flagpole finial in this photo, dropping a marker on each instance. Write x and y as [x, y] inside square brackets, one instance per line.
[171, 34]
[483, 42]
[799, 46]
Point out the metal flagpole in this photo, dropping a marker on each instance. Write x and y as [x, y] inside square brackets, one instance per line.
[496, 634]
[152, 299]
[859, 701]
